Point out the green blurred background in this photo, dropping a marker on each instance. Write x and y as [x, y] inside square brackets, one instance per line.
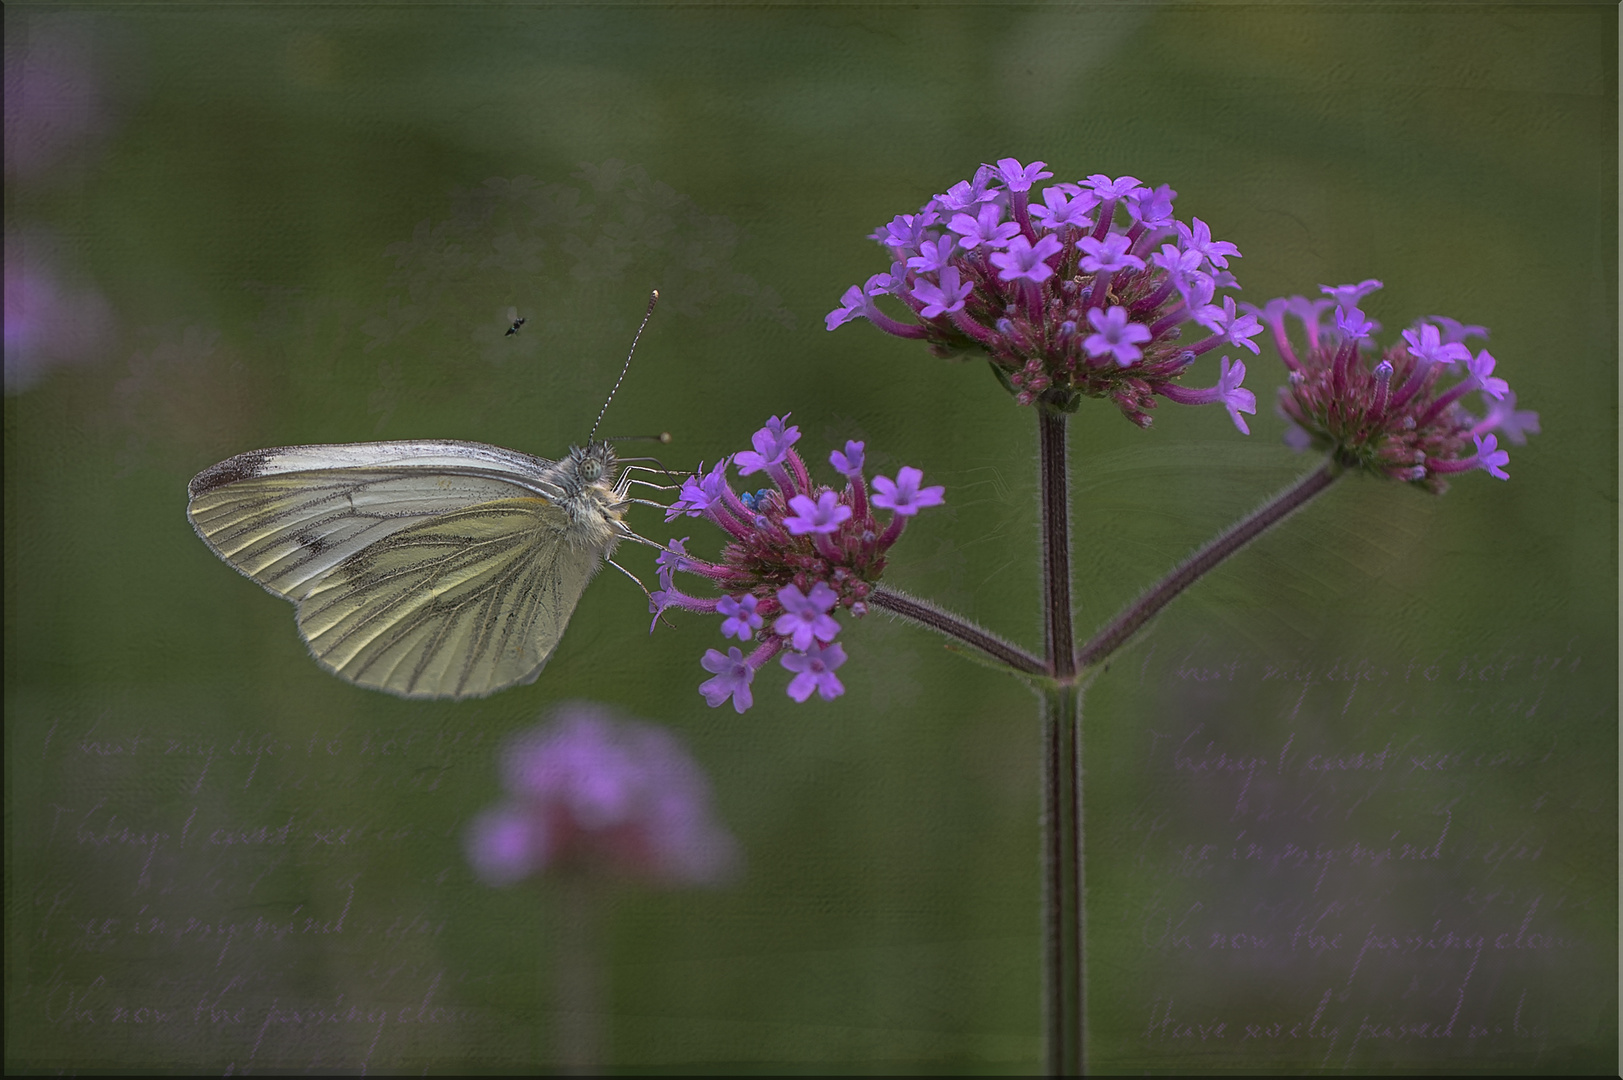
[267, 228]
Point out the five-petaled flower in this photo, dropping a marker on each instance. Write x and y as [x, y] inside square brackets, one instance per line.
[1073, 290]
[1396, 413]
[795, 555]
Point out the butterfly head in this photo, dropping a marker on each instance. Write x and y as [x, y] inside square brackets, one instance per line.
[592, 464]
[589, 495]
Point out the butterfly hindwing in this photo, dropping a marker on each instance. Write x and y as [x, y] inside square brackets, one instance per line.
[462, 605]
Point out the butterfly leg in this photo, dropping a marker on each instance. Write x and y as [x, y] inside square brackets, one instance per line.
[640, 585]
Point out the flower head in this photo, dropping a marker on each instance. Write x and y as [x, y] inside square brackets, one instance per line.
[597, 793]
[1395, 413]
[1007, 269]
[794, 557]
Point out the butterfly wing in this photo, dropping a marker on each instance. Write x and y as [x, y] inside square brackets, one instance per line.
[287, 516]
[427, 568]
[462, 605]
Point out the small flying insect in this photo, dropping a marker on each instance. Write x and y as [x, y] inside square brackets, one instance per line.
[516, 319]
[426, 568]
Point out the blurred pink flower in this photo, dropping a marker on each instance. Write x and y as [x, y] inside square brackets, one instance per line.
[55, 99]
[596, 792]
[47, 323]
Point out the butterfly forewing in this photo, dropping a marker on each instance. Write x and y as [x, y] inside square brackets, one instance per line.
[460, 606]
[286, 517]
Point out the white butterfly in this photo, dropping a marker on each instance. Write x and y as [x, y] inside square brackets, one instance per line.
[429, 569]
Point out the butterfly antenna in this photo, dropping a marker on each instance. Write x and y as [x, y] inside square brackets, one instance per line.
[663, 437]
[652, 300]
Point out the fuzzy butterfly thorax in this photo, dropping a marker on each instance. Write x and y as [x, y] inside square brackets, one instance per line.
[588, 495]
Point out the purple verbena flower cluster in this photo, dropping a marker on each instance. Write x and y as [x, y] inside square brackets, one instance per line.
[597, 793]
[795, 554]
[1076, 289]
[1391, 413]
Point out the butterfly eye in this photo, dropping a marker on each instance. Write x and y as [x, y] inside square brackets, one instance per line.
[591, 470]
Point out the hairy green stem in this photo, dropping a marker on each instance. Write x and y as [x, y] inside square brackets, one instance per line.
[945, 622]
[1064, 898]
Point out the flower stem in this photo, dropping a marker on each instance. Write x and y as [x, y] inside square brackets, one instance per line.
[1266, 516]
[945, 622]
[578, 978]
[1064, 897]
[1064, 900]
[1056, 526]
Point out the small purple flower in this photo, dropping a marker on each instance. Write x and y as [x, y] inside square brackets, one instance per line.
[741, 618]
[1456, 331]
[1152, 208]
[848, 464]
[1020, 177]
[1351, 323]
[1197, 288]
[596, 792]
[1347, 296]
[700, 493]
[771, 444]
[1231, 326]
[1235, 398]
[1121, 187]
[935, 256]
[1504, 416]
[1022, 259]
[1311, 313]
[733, 676]
[1179, 264]
[814, 670]
[906, 231]
[903, 496]
[1228, 392]
[1490, 458]
[670, 559]
[888, 284]
[1060, 210]
[825, 515]
[1199, 239]
[1481, 369]
[986, 227]
[806, 617]
[965, 197]
[855, 304]
[1115, 336]
[947, 297]
[1425, 343]
[1108, 255]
